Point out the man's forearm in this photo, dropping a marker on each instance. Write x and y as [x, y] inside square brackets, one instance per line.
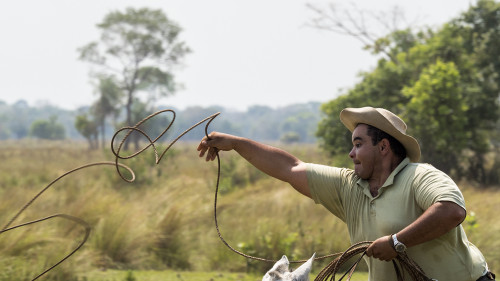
[270, 160]
[275, 162]
[436, 221]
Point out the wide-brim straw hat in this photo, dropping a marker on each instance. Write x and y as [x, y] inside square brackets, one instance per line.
[384, 120]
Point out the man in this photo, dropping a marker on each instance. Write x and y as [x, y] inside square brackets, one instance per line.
[388, 198]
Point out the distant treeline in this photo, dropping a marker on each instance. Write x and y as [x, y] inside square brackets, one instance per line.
[292, 123]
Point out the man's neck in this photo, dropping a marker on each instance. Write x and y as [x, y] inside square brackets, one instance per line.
[384, 171]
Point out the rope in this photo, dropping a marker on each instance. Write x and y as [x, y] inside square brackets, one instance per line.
[328, 272]
[405, 262]
[227, 244]
[64, 216]
[76, 220]
[402, 261]
[118, 165]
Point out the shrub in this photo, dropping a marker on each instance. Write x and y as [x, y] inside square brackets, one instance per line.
[168, 242]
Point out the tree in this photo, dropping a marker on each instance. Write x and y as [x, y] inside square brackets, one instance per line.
[360, 24]
[88, 129]
[138, 51]
[444, 82]
[297, 127]
[479, 27]
[107, 104]
[439, 125]
[48, 129]
[20, 124]
[290, 137]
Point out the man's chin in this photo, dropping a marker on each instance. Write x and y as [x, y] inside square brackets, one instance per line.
[359, 174]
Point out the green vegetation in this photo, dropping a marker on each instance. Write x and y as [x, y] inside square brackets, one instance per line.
[167, 275]
[161, 227]
[137, 52]
[163, 222]
[47, 129]
[258, 122]
[18, 119]
[444, 83]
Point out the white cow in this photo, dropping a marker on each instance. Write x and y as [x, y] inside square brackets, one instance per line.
[281, 272]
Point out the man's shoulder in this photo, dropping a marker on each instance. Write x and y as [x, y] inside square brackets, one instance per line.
[321, 168]
[331, 174]
[422, 168]
[424, 173]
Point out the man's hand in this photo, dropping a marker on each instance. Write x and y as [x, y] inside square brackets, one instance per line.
[382, 249]
[214, 143]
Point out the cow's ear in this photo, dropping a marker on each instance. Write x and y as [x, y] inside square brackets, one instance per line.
[277, 271]
[302, 273]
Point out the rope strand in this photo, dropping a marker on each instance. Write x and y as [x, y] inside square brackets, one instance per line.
[117, 165]
[329, 271]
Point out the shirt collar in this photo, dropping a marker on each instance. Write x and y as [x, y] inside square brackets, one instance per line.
[390, 180]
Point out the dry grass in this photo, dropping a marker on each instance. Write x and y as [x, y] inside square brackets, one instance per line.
[165, 218]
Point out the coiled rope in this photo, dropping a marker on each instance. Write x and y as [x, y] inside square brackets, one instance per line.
[401, 264]
[119, 166]
[402, 261]
[329, 271]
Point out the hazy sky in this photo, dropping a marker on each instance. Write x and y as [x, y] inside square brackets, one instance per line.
[245, 52]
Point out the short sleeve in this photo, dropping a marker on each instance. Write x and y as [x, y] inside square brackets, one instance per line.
[328, 185]
[432, 185]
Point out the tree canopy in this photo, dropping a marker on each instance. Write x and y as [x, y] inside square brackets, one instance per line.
[444, 83]
[137, 52]
[48, 129]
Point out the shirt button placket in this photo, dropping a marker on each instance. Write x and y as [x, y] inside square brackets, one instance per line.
[372, 208]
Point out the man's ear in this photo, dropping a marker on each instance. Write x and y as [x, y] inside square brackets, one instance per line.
[384, 146]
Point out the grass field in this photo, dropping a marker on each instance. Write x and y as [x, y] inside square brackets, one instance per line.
[161, 227]
[172, 275]
[111, 275]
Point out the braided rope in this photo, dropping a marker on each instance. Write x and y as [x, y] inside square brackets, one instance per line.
[329, 271]
[118, 165]
[402, 261]
[233, 249]
[405, 262]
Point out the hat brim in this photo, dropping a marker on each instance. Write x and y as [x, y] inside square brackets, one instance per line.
[351, 117]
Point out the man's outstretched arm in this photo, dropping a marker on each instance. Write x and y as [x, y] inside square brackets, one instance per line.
[273, 161]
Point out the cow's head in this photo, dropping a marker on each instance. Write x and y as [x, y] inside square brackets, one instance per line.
[281, 272]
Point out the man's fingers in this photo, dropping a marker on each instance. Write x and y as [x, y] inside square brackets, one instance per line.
[212, 153]
[202, 152]
[378, 253]
[200, 145]
[203, 147]
[211, 145]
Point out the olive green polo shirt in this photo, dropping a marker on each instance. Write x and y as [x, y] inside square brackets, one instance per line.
[410, 189]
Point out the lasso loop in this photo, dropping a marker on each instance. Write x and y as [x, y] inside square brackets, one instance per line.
[152, 142]
[328, 272]
[417, 274]
[227, 244]
[64, 216]
[56, 180]
[118, 167]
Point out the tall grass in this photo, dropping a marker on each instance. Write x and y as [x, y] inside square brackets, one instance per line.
[165, 218]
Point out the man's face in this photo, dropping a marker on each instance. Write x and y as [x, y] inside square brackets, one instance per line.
[364, 154]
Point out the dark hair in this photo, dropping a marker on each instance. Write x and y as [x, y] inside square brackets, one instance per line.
[377, 135]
